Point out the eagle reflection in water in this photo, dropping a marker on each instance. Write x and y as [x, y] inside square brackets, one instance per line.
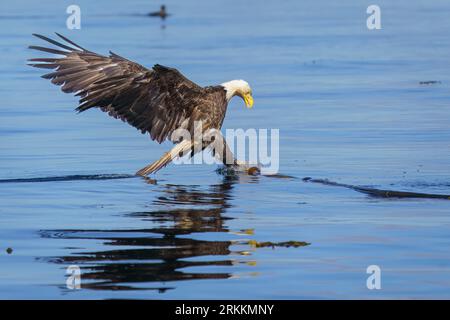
[154, 256]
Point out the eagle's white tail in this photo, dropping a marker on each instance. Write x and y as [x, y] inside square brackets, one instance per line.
[180, 148]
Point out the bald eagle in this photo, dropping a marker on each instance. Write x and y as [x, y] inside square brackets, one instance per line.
[156, 101]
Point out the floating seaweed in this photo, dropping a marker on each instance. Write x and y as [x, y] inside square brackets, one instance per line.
[427, 83]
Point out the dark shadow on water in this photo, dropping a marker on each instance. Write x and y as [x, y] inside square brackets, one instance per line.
[379, 193]
[147, 258]
[27, 17]
[77, 177]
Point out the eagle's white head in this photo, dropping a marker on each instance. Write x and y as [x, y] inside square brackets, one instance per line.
[239, 88]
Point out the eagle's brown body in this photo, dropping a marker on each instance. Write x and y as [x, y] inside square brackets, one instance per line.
[156, 101]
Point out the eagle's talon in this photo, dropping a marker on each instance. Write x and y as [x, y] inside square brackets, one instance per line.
[243, 166]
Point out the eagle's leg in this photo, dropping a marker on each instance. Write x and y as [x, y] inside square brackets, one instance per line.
[223, 153]
[176, 151]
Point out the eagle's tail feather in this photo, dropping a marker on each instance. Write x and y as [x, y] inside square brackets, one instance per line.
[180, 148]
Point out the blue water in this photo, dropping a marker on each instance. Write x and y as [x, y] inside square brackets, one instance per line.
[350, 108]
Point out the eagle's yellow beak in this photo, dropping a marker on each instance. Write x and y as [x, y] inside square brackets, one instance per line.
[248, 100]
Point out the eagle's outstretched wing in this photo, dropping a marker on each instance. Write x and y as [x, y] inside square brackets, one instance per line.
[157, 101]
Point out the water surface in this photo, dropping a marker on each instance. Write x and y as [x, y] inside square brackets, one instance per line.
[349, 106]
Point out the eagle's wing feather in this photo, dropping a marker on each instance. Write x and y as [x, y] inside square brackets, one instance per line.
[157, 101]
